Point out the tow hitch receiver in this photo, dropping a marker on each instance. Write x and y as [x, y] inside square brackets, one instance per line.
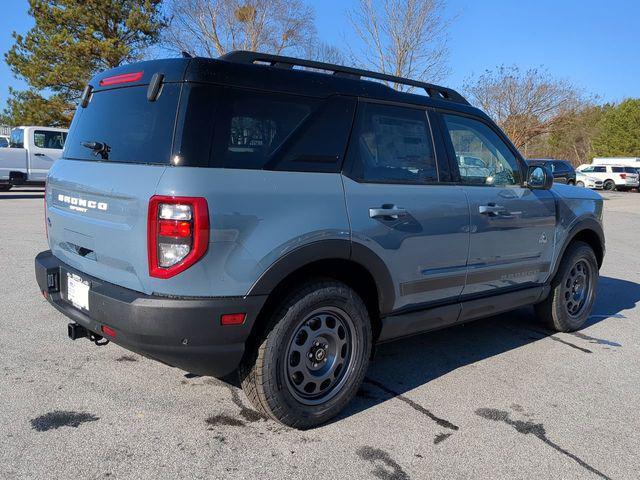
[76, 331]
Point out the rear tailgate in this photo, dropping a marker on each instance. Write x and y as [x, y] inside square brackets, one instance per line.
[97, 197]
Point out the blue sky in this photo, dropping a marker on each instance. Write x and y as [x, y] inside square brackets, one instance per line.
[593, 44]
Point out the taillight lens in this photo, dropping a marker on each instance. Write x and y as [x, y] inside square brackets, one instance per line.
[46, 221]
[177, 234]
[623, 176]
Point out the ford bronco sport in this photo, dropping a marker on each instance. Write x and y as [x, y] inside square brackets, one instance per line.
[279, 217]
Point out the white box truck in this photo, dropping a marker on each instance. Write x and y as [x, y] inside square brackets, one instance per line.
[622, 161]
[31, 152]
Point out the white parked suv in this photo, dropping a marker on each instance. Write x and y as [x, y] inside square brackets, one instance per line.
[614, 177]
[584, 180]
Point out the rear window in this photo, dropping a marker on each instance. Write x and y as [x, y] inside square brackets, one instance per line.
[49, 139]
[134, 129]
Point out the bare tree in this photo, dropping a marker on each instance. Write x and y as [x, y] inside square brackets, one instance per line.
[525, 104]
[215, 27]
[406, 38]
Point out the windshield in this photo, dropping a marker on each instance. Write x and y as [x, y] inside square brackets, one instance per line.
[121, 125]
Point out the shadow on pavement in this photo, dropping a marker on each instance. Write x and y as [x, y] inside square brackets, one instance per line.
[406, 364]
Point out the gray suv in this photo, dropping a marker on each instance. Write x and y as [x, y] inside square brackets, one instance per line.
[278, 217]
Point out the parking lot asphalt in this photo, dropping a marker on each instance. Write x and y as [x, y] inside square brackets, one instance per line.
[497, 398]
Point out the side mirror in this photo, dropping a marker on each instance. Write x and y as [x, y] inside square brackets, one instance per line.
[539, 178]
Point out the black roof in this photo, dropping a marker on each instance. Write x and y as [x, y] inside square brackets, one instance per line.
[291, 75]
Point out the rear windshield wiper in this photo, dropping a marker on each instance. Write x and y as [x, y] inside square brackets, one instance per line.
[99, 148]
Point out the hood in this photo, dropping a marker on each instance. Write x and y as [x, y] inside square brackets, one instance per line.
[571, 192]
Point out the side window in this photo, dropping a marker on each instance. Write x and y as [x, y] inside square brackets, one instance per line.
[617, 169]
[49, 139]
[483, 158]
[251, 126]
[392, 144]
[600, 169]
[17, 138]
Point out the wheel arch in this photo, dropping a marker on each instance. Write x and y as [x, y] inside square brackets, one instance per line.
[588, 231]
[354, 264]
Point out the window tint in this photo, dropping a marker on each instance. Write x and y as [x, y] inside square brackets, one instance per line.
[251, 126]
[560, 167]
[17, 138]
[49, 139]
[483, 158]
[617, 169]
[630, 170]
[135, 129]
[4, 143]
[600, 169]
[392, 144]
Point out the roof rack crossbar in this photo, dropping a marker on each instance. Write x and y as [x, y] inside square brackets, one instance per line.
[434, 91]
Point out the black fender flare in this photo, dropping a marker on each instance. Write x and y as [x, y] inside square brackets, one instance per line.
[330, 249]
[580, 225]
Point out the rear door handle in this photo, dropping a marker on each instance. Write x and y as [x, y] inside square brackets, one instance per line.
[387, 211]
[39, 154]
[492, 209]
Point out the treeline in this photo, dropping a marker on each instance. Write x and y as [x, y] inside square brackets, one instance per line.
[71, 40]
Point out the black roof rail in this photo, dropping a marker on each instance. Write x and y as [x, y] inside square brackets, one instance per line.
[434, 91]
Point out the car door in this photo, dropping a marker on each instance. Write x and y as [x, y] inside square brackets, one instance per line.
[46, 148]
[400, 206]
[512, 227]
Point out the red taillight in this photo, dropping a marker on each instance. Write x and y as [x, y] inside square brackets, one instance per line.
[177, 234]
[123, 78]
[623, 176]
[174, 228]
[46, 227]
[232, 318]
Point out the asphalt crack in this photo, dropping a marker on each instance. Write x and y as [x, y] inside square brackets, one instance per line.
[419, 408]
[537, 430]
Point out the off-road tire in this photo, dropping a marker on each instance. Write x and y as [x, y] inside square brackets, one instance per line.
[264, 371]
[554, 310]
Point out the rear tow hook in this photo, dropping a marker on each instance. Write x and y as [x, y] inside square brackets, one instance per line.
[76, 331]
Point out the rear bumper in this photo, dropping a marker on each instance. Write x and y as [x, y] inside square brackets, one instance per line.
[181, 332]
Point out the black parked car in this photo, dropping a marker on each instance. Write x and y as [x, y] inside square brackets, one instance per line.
[563, 171]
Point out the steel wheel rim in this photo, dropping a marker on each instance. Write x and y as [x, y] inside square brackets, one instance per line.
[577, 288]
[319, 355]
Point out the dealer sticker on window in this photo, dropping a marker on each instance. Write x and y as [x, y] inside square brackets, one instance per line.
[78, 291]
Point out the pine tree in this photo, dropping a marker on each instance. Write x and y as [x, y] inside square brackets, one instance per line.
[71, 41]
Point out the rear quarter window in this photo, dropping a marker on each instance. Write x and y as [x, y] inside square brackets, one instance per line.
[617, 169]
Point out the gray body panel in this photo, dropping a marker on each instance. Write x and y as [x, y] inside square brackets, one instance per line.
[425, 251]
[512, 248]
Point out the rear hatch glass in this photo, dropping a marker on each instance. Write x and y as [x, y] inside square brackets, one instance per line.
[133, 129]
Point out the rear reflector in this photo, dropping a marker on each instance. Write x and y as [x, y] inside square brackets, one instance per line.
[232, 318]
[118, 79]
[108, 331]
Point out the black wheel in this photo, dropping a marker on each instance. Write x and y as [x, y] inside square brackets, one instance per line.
[580, 183]
[313, 357]
[573, 290]
[571, 182]
[609, 185]
[5, 188]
